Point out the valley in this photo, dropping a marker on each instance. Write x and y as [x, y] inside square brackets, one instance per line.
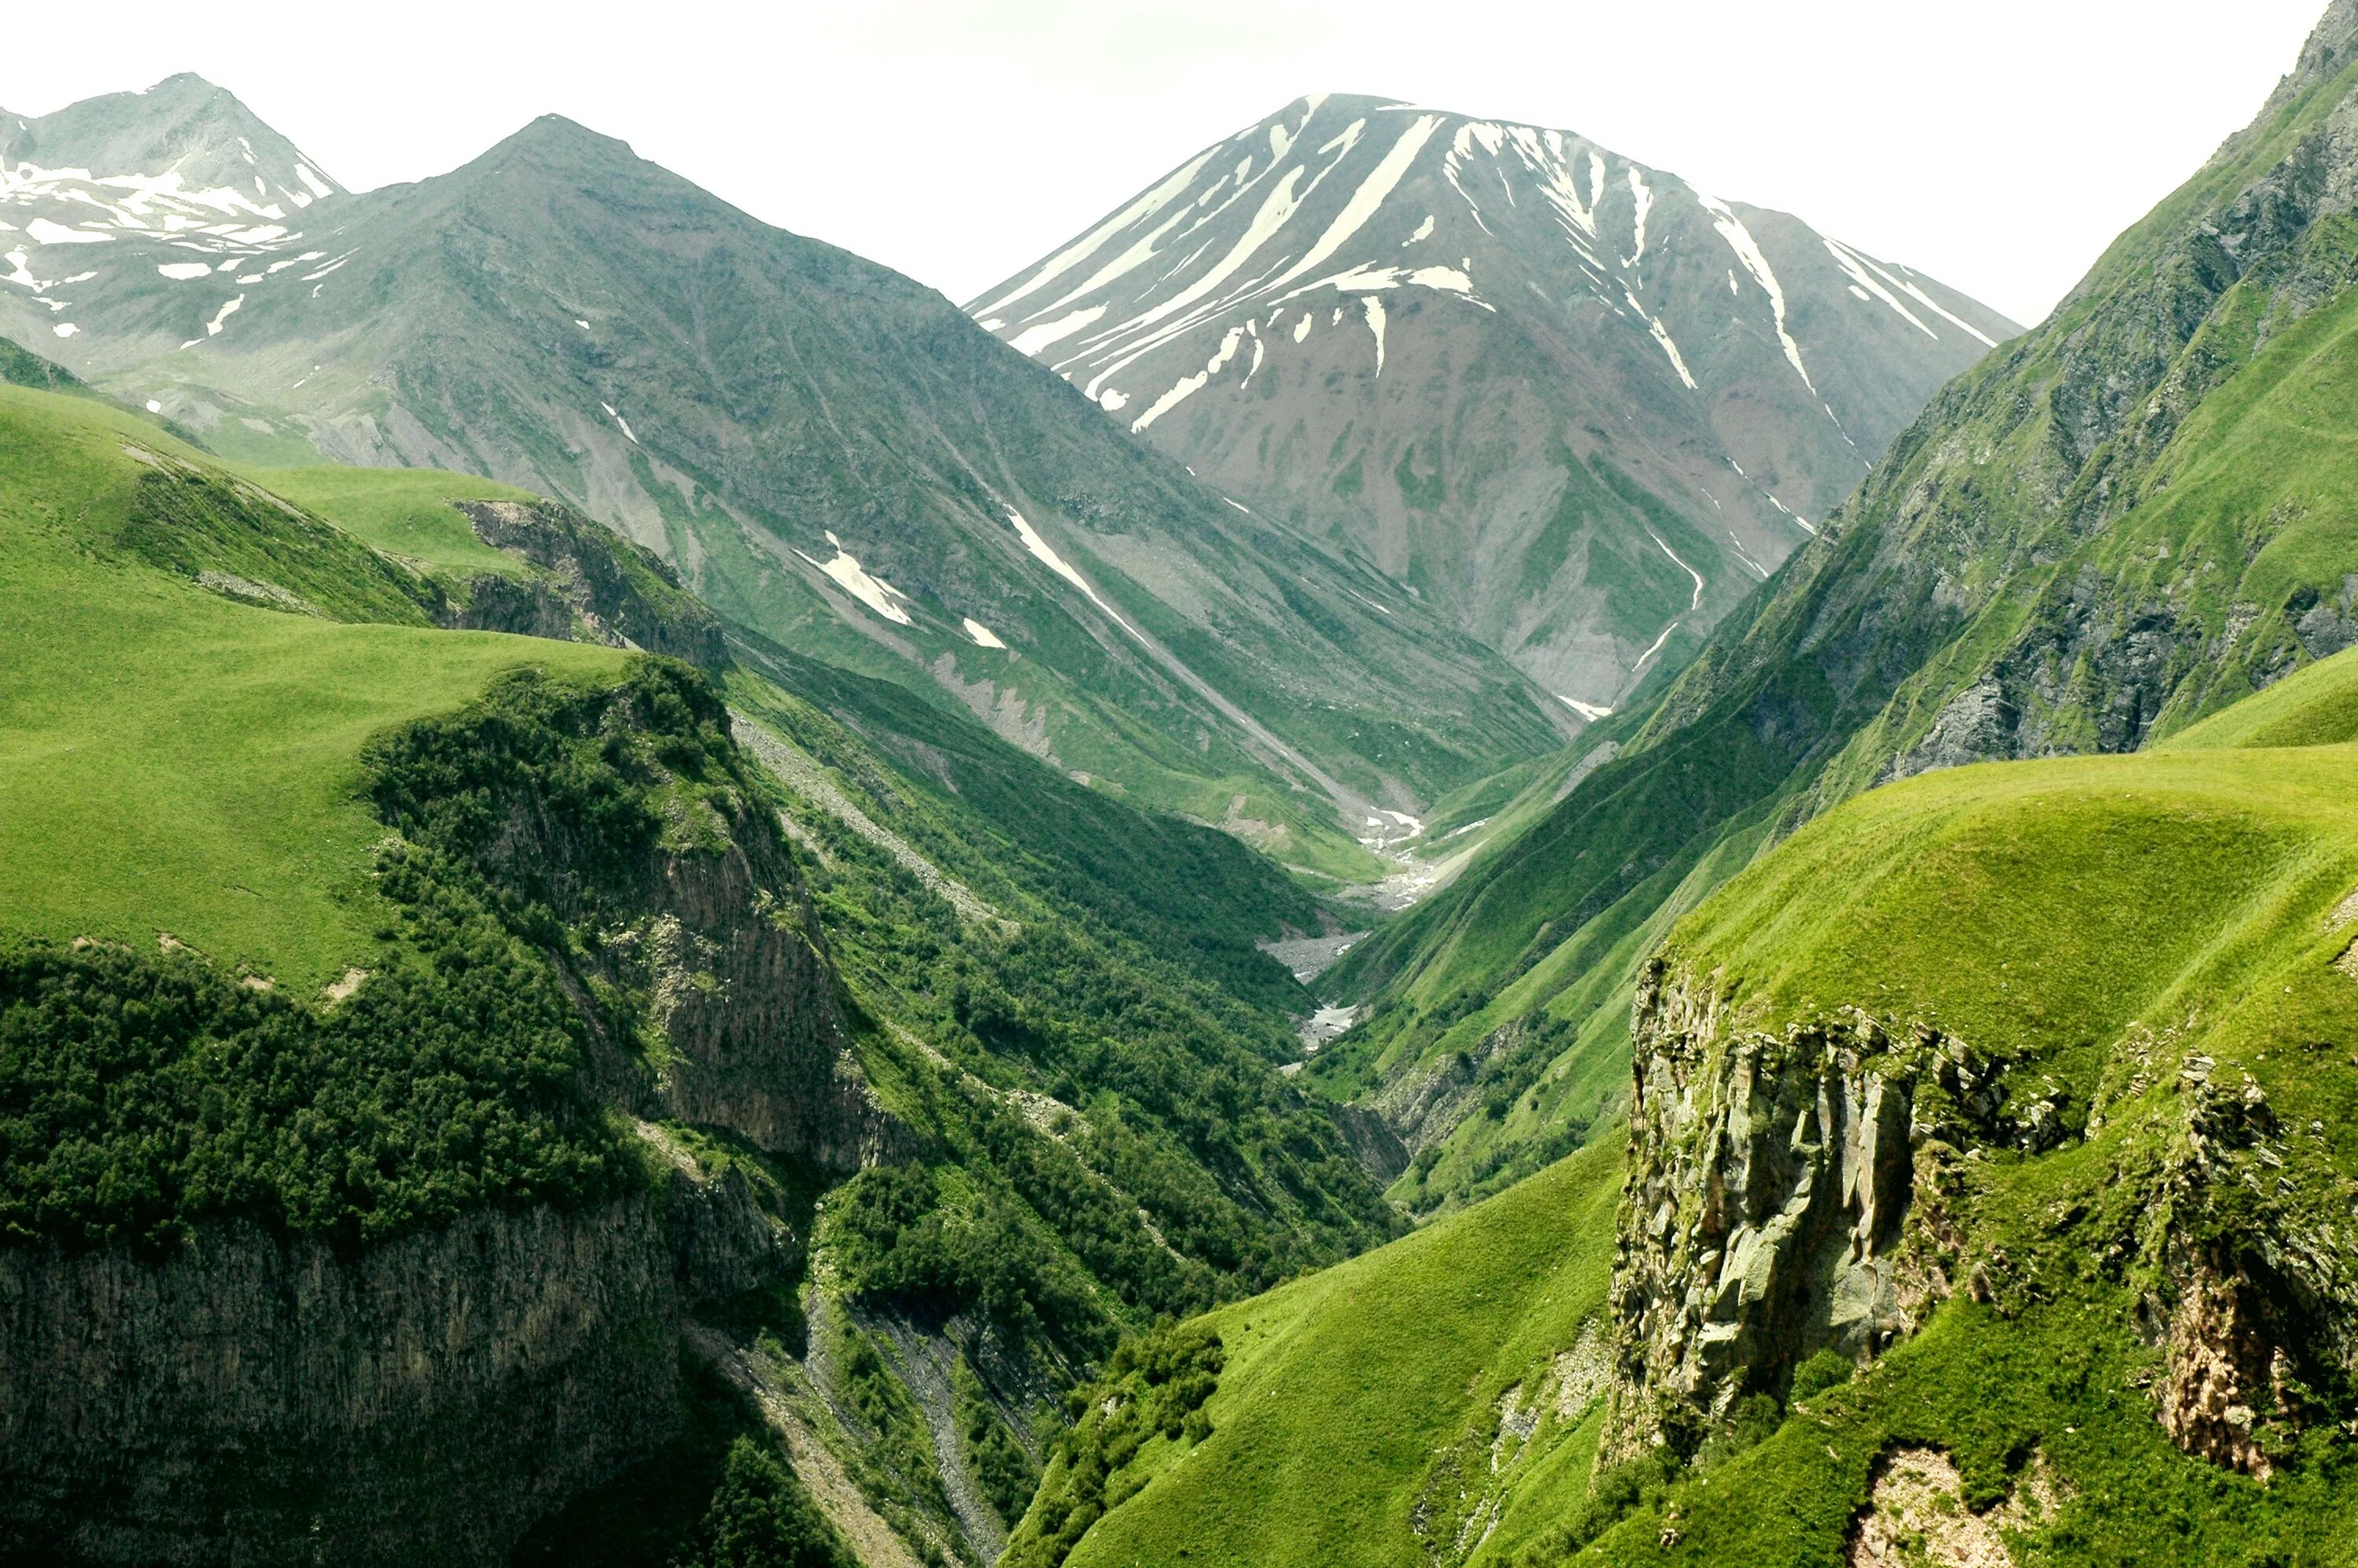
[1434, 852]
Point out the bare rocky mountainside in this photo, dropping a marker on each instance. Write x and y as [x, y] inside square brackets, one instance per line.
[830, 453]
[1579, 408]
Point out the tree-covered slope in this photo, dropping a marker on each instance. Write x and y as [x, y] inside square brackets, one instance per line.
[1986, 1202]
[2110, 527]
[828, 453]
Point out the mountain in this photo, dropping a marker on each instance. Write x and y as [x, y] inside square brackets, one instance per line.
[558, 1062]
[182, 158]
[1577, 406]
[1985, 1201]
[831, 455]
[2105, 531]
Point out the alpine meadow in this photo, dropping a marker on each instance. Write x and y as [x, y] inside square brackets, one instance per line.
[1436, 852]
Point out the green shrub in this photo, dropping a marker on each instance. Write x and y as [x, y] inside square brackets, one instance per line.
[1156, 1385]
[1826, 1369]
[139, 1095]
[761, 1518]
[1004, 1471]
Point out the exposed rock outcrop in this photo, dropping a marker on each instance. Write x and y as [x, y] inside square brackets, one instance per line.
[1794, 1191]
[599, 587]
[1772, 1208]
[2252, 1301]
[1768, 1181]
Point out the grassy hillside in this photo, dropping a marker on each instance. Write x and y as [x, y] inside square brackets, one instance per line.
[402, 512]
[2139, 944]
[1358, 1411]
[176, 760]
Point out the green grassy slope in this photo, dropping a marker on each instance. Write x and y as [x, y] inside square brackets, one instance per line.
[2103, 931]
[2121, 523]
[1360, 1399]
[173, 760]
[402, 512]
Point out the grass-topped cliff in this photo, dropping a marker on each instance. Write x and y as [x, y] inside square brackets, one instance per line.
[1990, 1169]
[329, 914]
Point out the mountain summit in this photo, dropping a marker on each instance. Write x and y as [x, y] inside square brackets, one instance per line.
[130, 155]
[1578, 405]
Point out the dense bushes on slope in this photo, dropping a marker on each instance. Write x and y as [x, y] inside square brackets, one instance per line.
[761, 1518]
[139, 1095]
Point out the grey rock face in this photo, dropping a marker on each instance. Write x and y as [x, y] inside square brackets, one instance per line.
[604, 590]
[247, 1397]
[1769, 1180]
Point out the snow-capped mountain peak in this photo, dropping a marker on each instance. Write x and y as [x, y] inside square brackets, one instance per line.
[1412, 325]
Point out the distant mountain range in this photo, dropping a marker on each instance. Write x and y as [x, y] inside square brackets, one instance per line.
[1577, 406]
[833, 456]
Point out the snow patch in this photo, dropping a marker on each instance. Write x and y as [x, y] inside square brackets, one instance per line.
[1190, 386]
[1590, 710]
[1423, 232]
[1864, 284]
[625, 424]
[1031, 340]
[44, 232]
[1747, 250]
[65, 328]
[1045, 554]
[1087, 245]
[871, 592]
[1695, 603]
[1373, 304]
[984, 636]
[221, 317]
[1661, 335]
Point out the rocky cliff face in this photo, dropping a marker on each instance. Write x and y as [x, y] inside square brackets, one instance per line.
[600, 588]
[1813, 1189]
[1769, 1186]
[681, 927]
[252, 1397]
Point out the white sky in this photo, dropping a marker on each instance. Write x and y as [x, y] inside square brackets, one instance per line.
[1997, 145]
